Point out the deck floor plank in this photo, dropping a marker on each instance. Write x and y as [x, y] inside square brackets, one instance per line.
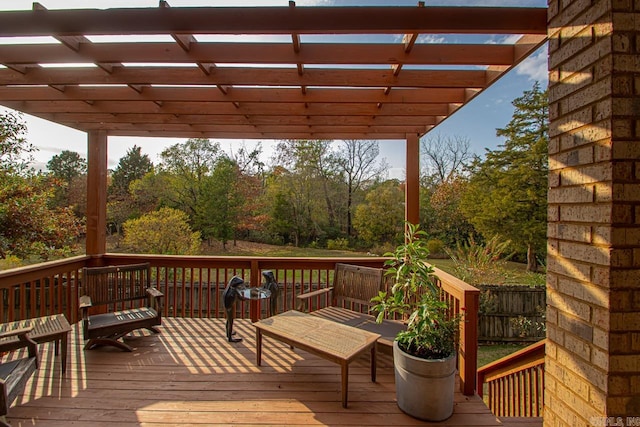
[189, 375]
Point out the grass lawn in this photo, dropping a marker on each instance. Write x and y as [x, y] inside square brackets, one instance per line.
[489, 353]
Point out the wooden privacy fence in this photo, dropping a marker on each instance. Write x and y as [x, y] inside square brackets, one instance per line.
[511, 313]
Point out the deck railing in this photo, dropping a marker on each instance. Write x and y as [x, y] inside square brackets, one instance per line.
[193, 287]
[515, 383]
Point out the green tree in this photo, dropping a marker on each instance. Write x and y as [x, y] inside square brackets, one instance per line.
[445, 220]
[67, 165]
[220, 209]
[70, 169]
[133, 165]
[28, 225]
[380, 219]
[121, 205]
[186, 166]
[358, 163]
[165, 231]
[507, 191]
[314, 185]
[15, 150]
[294, 209]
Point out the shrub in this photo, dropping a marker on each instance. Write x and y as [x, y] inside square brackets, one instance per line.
[338, 244]
[435, 246]
[481, 264]
[165, 231]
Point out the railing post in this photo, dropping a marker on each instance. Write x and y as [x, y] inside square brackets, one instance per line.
[254, 281]
[469, 342]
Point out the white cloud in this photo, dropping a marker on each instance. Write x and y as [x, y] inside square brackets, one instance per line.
[430, 38]
[535, 67]
[509, 39]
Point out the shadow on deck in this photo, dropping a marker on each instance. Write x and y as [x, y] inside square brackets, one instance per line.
[190, 375]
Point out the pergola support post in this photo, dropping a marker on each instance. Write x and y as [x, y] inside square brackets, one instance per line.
[96, 192]
[412, 182]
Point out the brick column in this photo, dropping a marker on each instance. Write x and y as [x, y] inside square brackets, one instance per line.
[593, 280]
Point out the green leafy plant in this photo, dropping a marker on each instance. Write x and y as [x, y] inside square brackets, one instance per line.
[431, 329]
[477, 264]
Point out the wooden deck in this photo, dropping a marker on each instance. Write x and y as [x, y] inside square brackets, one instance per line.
[190, 375]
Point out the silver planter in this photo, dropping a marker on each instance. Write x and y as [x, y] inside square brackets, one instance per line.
[424, 387]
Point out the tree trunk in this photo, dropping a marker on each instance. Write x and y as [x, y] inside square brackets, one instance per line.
[532, 261]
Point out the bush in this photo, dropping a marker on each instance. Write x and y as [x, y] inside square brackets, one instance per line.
[11, 261]
[338, 244]
[165, 231]
[435, 246]
[479, 264]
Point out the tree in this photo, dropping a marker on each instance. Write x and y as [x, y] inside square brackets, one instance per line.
[67, 165]
[444, 157]
[507, 192]
[15, 150]
[380, 219]
[446, 221]
[307, 179]
[121, 205]
[220, 209]
[70, 169]
[28, 225]
[186, 166]
[357, 162]
[134, 165]
[165, 231]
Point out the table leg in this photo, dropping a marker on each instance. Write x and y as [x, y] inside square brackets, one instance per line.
[345, 382]
[63, 351]
[373, 363]
[258, 347]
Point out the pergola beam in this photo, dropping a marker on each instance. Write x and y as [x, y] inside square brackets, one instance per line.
[212, 94]
[260, 53]
[363, 78]
[275, 20]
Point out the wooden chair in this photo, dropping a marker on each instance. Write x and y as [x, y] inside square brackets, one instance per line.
[125, 299]
[15, 374]
[350, 302]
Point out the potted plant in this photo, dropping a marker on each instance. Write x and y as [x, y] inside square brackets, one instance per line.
[425, 353]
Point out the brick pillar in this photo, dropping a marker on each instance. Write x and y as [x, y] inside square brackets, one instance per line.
[593, 280]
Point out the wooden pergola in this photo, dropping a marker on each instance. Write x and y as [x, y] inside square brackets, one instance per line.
[292, 80]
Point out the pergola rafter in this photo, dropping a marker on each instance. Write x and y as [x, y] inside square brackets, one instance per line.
[260, 89]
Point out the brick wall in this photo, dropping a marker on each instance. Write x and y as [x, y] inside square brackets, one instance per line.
[593, 281]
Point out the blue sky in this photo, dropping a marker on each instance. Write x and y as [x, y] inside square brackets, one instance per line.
[477, 121]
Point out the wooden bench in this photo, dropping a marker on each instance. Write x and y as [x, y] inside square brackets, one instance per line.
[125, 299]
[350, 302]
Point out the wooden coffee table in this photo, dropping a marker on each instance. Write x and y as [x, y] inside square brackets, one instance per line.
[330, 340]
[54, 328]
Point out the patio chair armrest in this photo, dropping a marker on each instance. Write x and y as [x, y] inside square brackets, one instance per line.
[85, 302]
[154, 292]
[303, 298]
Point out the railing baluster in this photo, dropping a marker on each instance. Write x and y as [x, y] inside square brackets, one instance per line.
[518, 379]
